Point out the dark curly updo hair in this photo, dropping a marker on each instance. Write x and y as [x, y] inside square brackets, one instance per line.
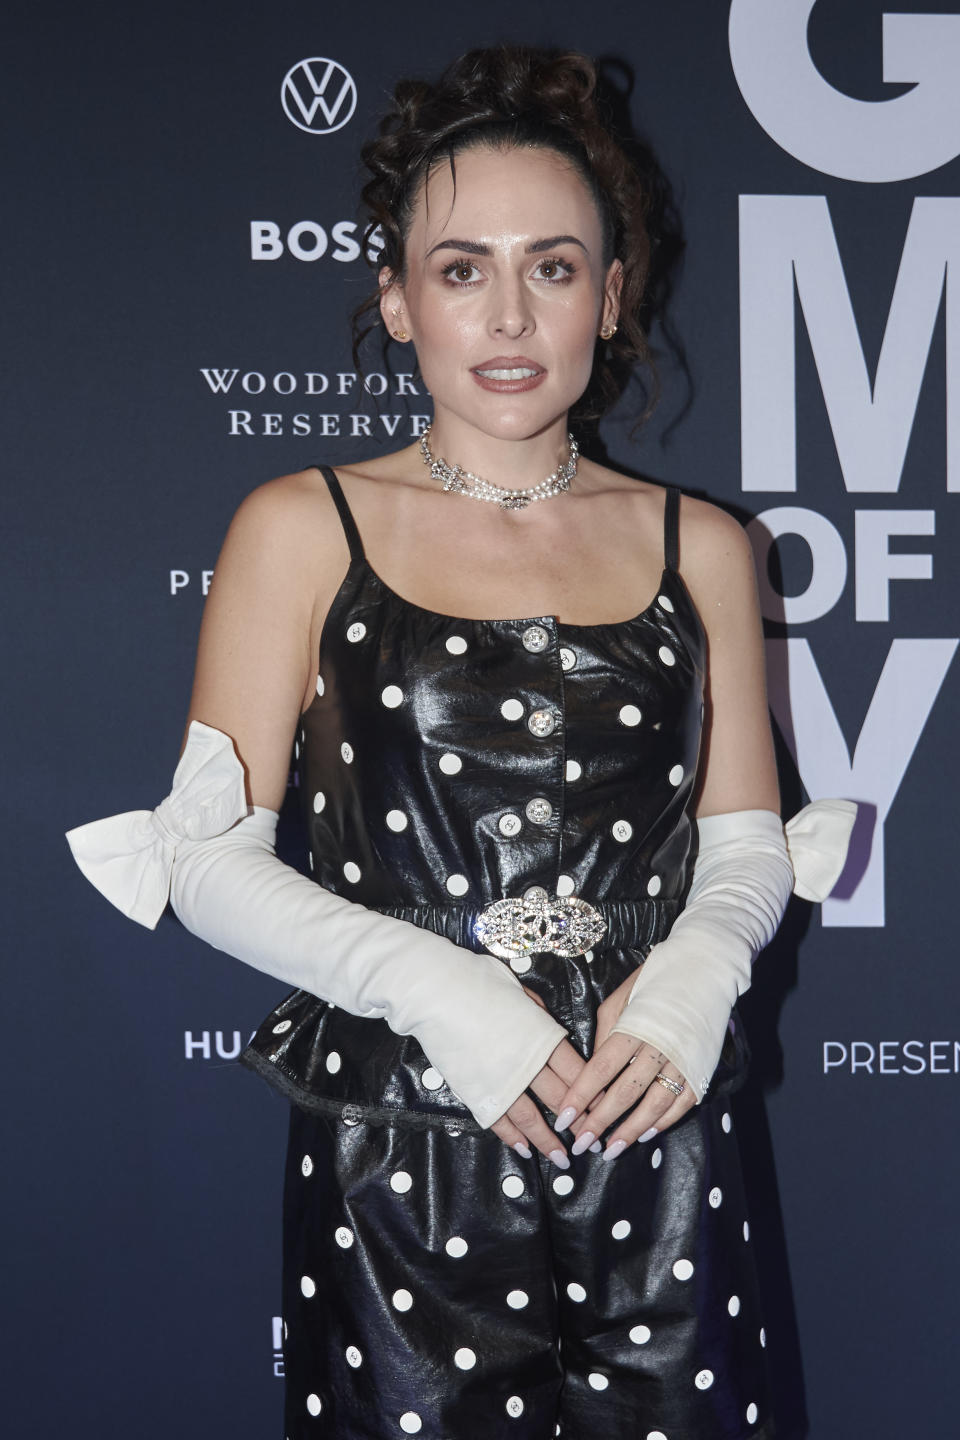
[517, 96]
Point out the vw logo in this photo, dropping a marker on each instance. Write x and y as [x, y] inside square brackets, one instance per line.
[318, 95]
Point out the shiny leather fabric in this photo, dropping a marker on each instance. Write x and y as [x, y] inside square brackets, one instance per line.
[429, 745]
[435, 1283]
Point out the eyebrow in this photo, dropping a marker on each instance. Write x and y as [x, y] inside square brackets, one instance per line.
[536, 247]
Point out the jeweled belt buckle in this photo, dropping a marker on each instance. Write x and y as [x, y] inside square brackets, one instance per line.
[562, 924]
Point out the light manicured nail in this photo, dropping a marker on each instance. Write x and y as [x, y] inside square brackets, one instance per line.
[583, 1142]
[560, 1159]
[565, 1118]
[648, 1134]
[596, 1147]
[612, 1151]
[523, 1150]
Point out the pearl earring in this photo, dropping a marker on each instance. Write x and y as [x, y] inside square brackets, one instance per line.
[608, 332]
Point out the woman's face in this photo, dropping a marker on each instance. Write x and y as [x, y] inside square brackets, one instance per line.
[505, 290]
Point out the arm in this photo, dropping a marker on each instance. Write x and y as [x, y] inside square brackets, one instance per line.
[210, 845]
[671, 1016]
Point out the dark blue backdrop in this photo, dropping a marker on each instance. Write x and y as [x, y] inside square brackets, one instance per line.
[143, 1166]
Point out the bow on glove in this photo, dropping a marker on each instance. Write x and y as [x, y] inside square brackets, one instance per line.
[217, 863]
[747, 865]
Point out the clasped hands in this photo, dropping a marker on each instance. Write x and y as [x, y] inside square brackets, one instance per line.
[588, 1096]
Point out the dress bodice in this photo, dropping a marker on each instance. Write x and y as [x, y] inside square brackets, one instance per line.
[446, 763]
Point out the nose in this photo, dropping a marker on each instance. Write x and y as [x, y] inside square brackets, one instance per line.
[511, 310]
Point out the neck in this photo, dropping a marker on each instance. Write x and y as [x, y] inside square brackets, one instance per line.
[510, 463]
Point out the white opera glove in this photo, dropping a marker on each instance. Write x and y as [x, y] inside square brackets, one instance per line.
[218, 865]
[747, 864]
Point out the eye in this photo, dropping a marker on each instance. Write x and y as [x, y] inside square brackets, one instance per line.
[554, 270]
[461, 272]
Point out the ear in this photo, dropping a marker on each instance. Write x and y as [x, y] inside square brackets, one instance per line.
[612, 286]
[391, 301]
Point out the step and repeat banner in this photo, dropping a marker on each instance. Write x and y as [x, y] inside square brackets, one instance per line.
[182, 250]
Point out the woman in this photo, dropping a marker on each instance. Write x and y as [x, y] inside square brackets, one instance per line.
[517, 728]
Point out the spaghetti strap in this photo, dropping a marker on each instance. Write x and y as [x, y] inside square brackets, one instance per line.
[671, 528]
[346, 516]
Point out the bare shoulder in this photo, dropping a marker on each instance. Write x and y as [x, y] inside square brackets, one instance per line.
[713, 544]
[287, 522]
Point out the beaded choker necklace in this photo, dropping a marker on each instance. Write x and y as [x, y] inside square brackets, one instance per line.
[464, 483]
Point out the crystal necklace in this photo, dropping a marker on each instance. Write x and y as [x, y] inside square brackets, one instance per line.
[462, 481]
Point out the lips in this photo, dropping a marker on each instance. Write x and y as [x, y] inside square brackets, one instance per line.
[508, 373]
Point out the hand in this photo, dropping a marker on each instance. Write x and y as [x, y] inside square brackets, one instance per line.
[619, 1078]
[523, 1122]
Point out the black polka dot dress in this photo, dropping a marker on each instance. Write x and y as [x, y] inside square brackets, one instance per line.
[436, 1283]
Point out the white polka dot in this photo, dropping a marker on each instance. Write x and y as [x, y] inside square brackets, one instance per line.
[343, 1237]
[296, 749]
[431, 1079]
[665, 603]
[621, 1230]
[715, 1197]
[630, 715]
[410, 1423]
[752, 1413]
[746, 1229]
[354, 1358]
[282, 1026]
[396, 820]
[726, 1122]
[356, 631]
[512, 1186]
[640, 1334]
[667, 655]
[450, 764]
[465, 1358]
[656, 1158]
[333, 1062]
[565, 885]
[346, 751]
[320, 685]
[596, 1381]
[763, 1338]
[319, 800]
[400, 1182]
[308, 1287]
[676, 775]
[402, 1300]
[683, 1269]
[656, 1435]
[512, 709]
[514, 1407]
[310, 858]
[563, 1184]
[733, 1305]
[703, 1379]
[455, 644]
[576, 1292]
[654, 885]
[458, 884]
[351, 872]
[313, 1404]
[306, 1166]
[520, 964]
[392, 696]
[518, 1299]
[573, 770]
[456, 1246]
[621, 830]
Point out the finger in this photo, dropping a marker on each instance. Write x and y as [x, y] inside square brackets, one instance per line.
[510, 1135]
[596, 1074]
[528, 1119]
[650, 1116]
[632, 1085]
